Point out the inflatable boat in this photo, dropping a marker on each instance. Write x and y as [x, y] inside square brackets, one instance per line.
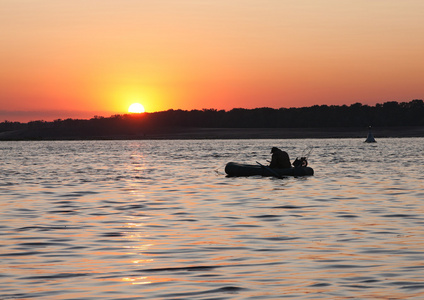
[236, 169]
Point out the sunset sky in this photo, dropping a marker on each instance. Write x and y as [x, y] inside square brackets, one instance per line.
[80, 58]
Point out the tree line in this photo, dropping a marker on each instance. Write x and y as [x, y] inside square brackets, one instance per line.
[318, 116]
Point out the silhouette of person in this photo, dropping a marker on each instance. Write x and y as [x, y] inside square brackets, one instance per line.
[280, 159]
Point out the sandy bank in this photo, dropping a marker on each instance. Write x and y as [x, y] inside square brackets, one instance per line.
[283, 133]
[226, 133]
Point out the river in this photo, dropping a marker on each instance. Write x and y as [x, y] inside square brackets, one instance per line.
[160, 220]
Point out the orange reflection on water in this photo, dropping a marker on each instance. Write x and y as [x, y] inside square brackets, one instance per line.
[141, 261]
[147, 280]
[136, 280]
[139, 249]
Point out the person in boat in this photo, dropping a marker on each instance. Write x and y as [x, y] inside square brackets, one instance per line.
[300, 162]
[280, 159]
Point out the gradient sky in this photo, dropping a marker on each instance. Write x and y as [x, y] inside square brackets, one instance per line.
[82, 58]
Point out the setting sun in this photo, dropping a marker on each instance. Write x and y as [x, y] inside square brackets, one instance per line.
[136, 108]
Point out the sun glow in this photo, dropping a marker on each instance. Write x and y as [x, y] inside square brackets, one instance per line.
[136, 108]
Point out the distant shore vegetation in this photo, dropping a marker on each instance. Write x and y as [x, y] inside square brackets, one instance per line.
[318, 116]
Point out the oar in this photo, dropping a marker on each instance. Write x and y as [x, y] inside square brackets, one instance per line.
[269, 170]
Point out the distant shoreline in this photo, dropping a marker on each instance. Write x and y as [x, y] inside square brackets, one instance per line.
[182, 133]
[390, 119]
[287, 133]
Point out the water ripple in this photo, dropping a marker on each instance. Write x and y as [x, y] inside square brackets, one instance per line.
[159, 220]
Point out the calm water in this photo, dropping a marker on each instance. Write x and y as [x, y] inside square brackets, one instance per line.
[159, 220]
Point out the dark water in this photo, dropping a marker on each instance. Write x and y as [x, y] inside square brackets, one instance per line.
[159, 220]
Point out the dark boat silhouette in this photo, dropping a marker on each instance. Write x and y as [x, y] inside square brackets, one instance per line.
[236, 169]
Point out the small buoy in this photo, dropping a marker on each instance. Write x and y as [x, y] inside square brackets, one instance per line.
[370, 137]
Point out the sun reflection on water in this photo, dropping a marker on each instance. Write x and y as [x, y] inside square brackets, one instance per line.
[136, 280]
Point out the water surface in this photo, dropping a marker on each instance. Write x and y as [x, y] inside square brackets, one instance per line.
[160, 220]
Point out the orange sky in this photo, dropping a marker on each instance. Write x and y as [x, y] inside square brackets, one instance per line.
[82, 58]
